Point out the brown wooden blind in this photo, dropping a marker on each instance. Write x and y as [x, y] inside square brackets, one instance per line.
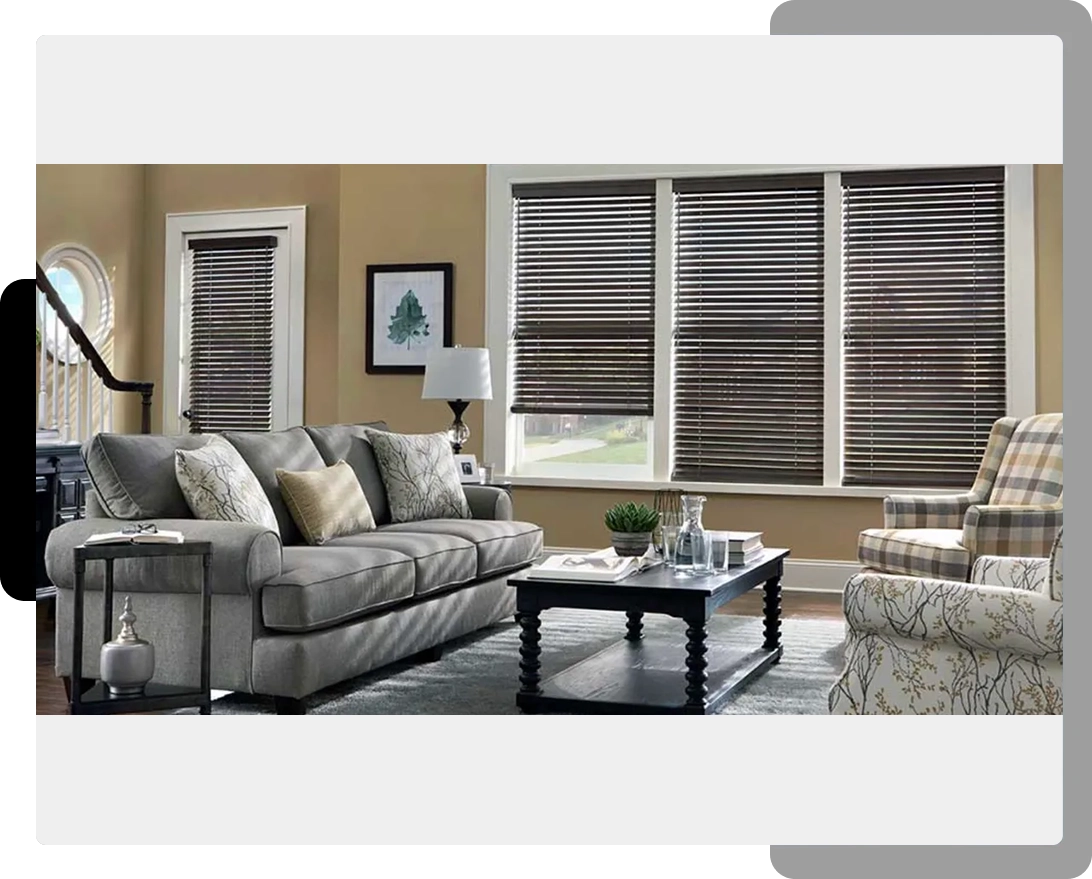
[230, 357]
[924, 275]
[583, 285]
[748, 347]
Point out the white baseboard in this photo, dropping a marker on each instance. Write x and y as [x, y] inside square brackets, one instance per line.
[801, 575]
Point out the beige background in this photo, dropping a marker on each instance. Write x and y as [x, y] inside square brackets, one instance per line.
[362, 214]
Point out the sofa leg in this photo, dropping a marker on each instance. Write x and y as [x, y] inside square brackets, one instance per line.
[288, 705]
[85, 685]
[432, 654]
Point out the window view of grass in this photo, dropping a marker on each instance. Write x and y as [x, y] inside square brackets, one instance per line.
[584, 439]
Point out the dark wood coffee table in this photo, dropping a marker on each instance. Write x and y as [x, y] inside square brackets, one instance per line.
[674, 674]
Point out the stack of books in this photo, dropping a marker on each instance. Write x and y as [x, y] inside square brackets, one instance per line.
[744, 547]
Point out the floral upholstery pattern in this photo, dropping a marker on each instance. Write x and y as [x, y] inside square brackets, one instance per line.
[928, 646]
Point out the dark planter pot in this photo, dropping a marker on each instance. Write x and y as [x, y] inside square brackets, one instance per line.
[629, 543]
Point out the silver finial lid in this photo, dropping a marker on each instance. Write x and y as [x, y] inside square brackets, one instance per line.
[128, 635]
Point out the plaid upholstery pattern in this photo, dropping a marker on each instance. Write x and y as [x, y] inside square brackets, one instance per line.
[947, 511]
[935, 553]
[1031, 470]
[1020, 530]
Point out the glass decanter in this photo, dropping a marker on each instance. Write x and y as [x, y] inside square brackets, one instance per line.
[691, 546]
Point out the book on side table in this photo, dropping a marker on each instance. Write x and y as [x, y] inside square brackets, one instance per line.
[135, 535]
[603, 566]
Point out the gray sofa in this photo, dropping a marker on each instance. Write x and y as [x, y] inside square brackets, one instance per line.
[288, 619]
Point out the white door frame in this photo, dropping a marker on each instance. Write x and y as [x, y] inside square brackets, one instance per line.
[290, 223]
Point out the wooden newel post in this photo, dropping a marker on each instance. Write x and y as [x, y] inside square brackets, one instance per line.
[146, 411]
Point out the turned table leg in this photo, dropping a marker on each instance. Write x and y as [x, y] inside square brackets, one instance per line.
[634, 625]
[529, 651]
[696, 663]
[771, 613]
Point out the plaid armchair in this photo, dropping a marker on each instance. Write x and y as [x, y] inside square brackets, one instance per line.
[923, 646]
[1013, 509]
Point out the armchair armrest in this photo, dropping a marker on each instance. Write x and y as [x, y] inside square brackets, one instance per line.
[488, 502]
[1012, 572]
[974, 617]
[926, 511]
[243, 557]
[1012, 530]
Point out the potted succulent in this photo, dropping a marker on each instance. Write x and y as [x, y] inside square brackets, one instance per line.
[631, 526]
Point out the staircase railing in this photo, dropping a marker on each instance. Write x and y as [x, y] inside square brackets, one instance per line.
[87, 418]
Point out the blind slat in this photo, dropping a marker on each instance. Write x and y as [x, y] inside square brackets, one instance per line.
[748, 347]
[924, 350]
[583, 275]
[231, 299]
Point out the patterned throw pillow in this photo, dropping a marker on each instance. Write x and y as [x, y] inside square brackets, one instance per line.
[420, 475]
[326, 503]
[217, 484]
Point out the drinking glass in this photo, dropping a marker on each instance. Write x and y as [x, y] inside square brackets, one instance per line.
[718, 550]
[668, 536]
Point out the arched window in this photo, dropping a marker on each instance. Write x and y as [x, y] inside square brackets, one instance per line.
[80, 279]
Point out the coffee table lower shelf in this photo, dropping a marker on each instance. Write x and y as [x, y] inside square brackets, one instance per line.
[647, 677]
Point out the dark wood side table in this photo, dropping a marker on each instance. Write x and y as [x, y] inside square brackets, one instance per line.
[156, 697]
[683, 673]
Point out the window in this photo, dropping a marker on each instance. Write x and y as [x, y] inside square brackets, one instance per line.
[789, 329]
[748, 345]
[233, 343]
[80, 280]
[924, 276]
[583, 285]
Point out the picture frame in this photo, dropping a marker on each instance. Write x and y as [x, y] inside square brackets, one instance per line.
[467, 465]
[408, 312]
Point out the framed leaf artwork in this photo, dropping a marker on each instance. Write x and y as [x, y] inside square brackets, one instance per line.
[408, 313]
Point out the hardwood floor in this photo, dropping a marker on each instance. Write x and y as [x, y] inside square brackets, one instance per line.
[801, 605]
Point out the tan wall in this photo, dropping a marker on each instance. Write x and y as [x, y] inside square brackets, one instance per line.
[402, 214]
[100, 207]
[1048, 300]
[189, 188]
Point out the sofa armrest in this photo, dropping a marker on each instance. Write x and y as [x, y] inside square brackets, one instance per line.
[1027, 530]
[243, 558]
[488, 502]
[925, 511]
[974, 617]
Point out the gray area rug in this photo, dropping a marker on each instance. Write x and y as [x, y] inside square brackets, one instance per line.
[478, 673]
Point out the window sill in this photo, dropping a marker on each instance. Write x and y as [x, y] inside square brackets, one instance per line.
[722, 487]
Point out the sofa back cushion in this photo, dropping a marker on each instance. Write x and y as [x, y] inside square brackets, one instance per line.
[133, 474]
[290, 449]
[349, 443]
[1031, 470]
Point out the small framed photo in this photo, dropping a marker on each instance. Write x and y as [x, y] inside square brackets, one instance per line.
[407, 314]
[467, 465]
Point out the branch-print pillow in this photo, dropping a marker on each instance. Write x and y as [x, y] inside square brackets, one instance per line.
[218, 484]
[419, 473]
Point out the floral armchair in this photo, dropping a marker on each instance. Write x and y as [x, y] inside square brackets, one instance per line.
[922, 646]
[1013, 509]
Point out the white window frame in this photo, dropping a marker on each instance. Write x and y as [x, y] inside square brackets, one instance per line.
[290, 224]
[502, 428]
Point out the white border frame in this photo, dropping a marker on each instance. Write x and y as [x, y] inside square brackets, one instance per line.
[499, 440]
[288, 317]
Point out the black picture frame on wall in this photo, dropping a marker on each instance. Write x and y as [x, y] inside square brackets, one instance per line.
[403, 303]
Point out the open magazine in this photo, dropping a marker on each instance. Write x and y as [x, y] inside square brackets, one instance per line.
[135, 534]
[603, 566]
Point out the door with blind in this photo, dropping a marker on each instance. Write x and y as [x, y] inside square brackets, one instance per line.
[233, 287]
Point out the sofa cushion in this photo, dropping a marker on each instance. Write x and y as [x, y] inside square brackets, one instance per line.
[217, 484]
[502, 545]
[441, 560]
[322, 586]
[133, 475]
[921, 552]
[290, 449]
[420, 476]
[326, 503]
[349, 443]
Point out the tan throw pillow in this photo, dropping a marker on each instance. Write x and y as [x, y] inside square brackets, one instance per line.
[326, 503]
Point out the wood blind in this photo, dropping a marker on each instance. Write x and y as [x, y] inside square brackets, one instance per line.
[748, 346]
[231, 333]
[924, 274]
[583, 284]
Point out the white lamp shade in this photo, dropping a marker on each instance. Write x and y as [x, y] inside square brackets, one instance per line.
[457, 374]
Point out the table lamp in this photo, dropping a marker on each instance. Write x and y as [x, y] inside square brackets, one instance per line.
[458, 375]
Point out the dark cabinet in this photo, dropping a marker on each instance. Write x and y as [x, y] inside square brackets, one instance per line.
[60, 490]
